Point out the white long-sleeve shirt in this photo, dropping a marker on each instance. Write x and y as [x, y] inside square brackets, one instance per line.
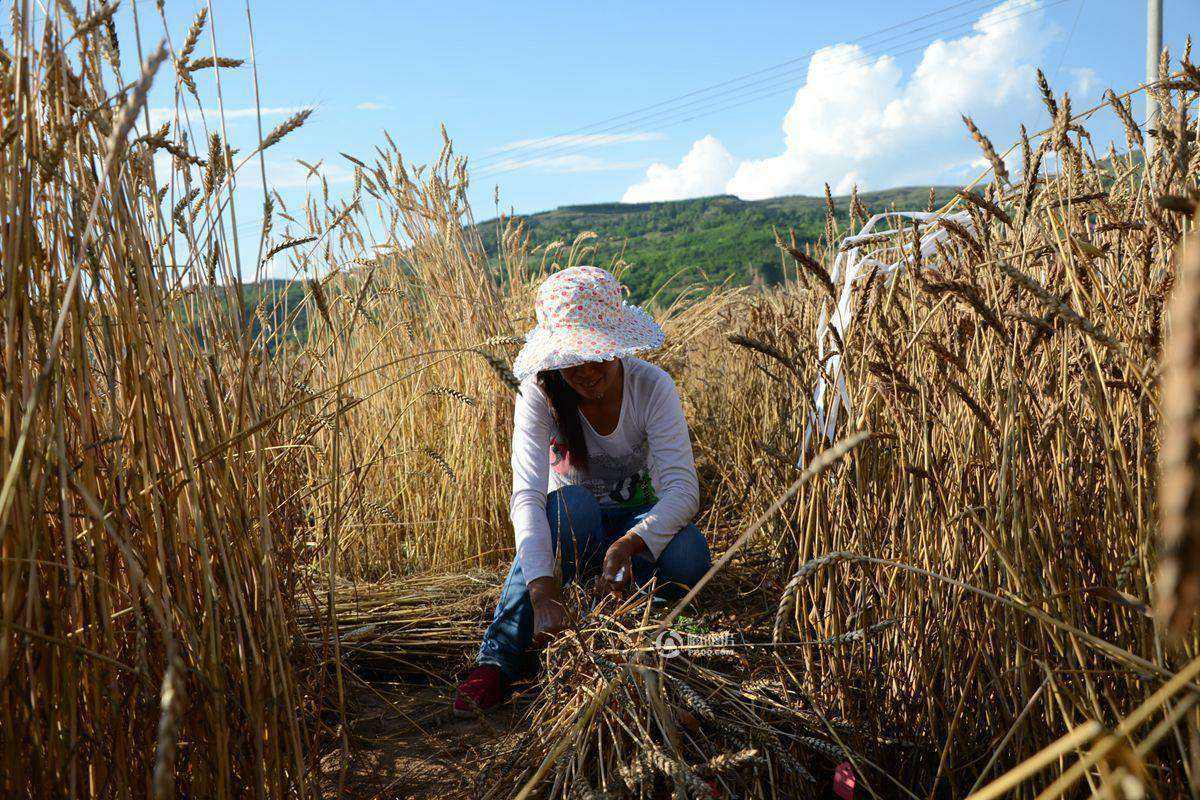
[646, 459]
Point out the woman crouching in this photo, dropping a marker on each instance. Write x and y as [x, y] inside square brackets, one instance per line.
[604, 482]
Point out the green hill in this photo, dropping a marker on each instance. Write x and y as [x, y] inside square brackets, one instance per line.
[708, 239]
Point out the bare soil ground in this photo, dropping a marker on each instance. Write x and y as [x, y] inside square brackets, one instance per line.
[405, 742]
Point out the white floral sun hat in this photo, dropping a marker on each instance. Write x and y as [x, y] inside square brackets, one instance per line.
[581, 316]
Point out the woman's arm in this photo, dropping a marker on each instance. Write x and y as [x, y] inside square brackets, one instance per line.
[532, 426]
[674, 468]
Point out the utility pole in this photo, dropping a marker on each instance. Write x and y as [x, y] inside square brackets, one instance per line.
[1154, 10]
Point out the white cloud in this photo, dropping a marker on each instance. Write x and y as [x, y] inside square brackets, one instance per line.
[705, 170]
[859, 119]
[594, 139]
[372, 106]
[565, 163]
[1085, 79]
[160, 115]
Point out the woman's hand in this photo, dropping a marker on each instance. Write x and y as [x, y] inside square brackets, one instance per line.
[549, 612]
[617, 572]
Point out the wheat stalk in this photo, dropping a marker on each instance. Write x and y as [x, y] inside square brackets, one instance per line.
[1178, 584]
[985, 144]
[284, 128]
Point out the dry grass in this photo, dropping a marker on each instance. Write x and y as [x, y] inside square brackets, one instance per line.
[202, 526]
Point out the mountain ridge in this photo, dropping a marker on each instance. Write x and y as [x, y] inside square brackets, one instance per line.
[703, 240]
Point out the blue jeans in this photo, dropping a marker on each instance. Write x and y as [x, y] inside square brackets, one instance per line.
[581, 532]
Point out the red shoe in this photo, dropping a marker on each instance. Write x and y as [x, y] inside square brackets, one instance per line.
[480, 692]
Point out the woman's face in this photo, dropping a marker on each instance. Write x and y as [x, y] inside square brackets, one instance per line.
[593, 380]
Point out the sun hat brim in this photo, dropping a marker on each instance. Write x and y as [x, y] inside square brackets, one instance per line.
[633, 331]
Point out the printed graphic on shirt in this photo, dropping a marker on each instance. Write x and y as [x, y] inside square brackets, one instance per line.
[622, 481]
[636, 490]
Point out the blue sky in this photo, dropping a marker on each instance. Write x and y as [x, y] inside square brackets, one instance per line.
[497, 73]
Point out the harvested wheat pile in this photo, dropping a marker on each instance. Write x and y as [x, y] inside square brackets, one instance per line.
[413, 626]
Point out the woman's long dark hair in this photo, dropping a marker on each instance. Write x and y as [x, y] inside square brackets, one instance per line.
[564, 404]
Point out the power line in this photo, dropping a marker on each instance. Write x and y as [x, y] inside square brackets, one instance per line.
[1067, 46]
[659, 120]
[787, 83]
[775, 85]
[537, 143]
[35, 19]
[670, 117]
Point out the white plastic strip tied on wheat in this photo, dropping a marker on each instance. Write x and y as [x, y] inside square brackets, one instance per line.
[850, 265]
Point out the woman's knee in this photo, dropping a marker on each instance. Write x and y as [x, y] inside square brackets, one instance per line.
[573, 511]
[686, 557]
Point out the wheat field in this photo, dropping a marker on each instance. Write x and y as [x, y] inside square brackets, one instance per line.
[215, 539]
